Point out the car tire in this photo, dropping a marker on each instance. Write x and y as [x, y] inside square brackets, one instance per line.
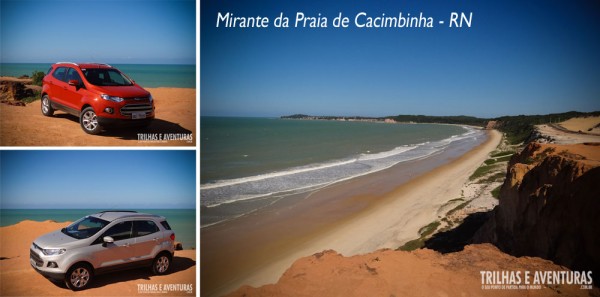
[47, 109]
[79, 277]
[161, 263]
[89, 121]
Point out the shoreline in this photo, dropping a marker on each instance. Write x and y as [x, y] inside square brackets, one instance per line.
[380, 210]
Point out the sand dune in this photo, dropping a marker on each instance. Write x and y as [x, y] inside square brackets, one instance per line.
[18, 278]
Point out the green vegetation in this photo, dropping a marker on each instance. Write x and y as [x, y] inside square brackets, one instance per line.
[36, 78]
[498, 176]
[539, 156]
[502, 153]
[496, 192]
[462, 120]
[496, 160]
[457, 208]
[424, 232]
[36, 96]
[481, 171]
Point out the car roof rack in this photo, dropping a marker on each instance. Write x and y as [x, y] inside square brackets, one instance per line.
[117, 210]
[67, 63]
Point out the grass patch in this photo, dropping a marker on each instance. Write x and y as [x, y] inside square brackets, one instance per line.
[496, 192]
[494, 178]
[457, 208]
[36, 96]
[481, 171]
[418, 243]
[496, 160]
[502, 153]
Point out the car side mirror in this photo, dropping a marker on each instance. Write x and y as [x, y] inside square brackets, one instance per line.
[74, 83]
[106, 240]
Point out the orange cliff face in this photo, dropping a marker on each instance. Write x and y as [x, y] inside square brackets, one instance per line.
[549, 206]
[418, 273]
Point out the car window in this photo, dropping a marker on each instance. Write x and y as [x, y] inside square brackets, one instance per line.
[85, 227]
[119, 231]
[143, 228]
[59, 73]
[165, 225]
[72, 74]
[105, 77]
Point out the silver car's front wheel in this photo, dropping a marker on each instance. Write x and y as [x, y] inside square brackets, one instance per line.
[161, 264]
[78, 277]
[89, 121]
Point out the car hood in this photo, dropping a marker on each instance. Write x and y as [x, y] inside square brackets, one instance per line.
[122, 91]
[55, 239]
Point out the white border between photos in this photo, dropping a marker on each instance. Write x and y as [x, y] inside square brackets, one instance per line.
[166, 148]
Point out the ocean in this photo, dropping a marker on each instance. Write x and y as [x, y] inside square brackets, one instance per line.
[248, 163]
[146, 75]
[182, 221]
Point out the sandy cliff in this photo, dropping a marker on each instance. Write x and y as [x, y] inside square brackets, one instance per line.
[418, 273]
[549, 206]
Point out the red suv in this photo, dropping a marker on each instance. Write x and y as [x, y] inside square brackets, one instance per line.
[99, 94]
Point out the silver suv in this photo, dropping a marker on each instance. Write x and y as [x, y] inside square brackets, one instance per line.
[103, 242]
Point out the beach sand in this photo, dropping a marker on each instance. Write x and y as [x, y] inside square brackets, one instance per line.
[18, 278]
[379, 210]
[26, 126]
[586, 125]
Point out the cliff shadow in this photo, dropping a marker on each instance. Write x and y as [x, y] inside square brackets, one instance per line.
[456, 239]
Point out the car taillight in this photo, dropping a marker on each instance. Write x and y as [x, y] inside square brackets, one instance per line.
[172, 237]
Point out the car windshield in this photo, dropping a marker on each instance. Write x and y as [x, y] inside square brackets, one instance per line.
[85, 227]
[106, 77]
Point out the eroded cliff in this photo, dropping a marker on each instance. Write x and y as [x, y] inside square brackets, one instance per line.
[549, 206]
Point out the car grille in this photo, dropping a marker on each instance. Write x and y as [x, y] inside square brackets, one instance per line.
[136, 99]
[128, 109]
[38, 261]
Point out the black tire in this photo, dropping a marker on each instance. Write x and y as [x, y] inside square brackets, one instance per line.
[47, 109]
[89, 121]
[79, 277]
[161, 263]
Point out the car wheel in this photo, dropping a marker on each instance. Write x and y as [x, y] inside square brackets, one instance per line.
[78, 277]
[47, 109]
[89, 121]
[161, 264]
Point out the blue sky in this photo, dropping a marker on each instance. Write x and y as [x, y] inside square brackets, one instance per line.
[125, 32]
[98, 179]
[519, 57]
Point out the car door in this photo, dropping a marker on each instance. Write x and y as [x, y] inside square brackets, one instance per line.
[148, 239]
[73, 93]
[119, 252]
[57, 84]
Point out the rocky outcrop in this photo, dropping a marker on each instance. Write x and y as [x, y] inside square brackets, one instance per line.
[14, 90]
[549, 206]
[417, 273]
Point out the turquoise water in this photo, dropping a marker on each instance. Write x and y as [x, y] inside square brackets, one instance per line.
[146, 75]
[182, 221]
[252, 158]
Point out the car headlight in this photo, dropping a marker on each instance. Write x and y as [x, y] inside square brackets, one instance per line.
[53, 252]
[150, 98]
[111, 98]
